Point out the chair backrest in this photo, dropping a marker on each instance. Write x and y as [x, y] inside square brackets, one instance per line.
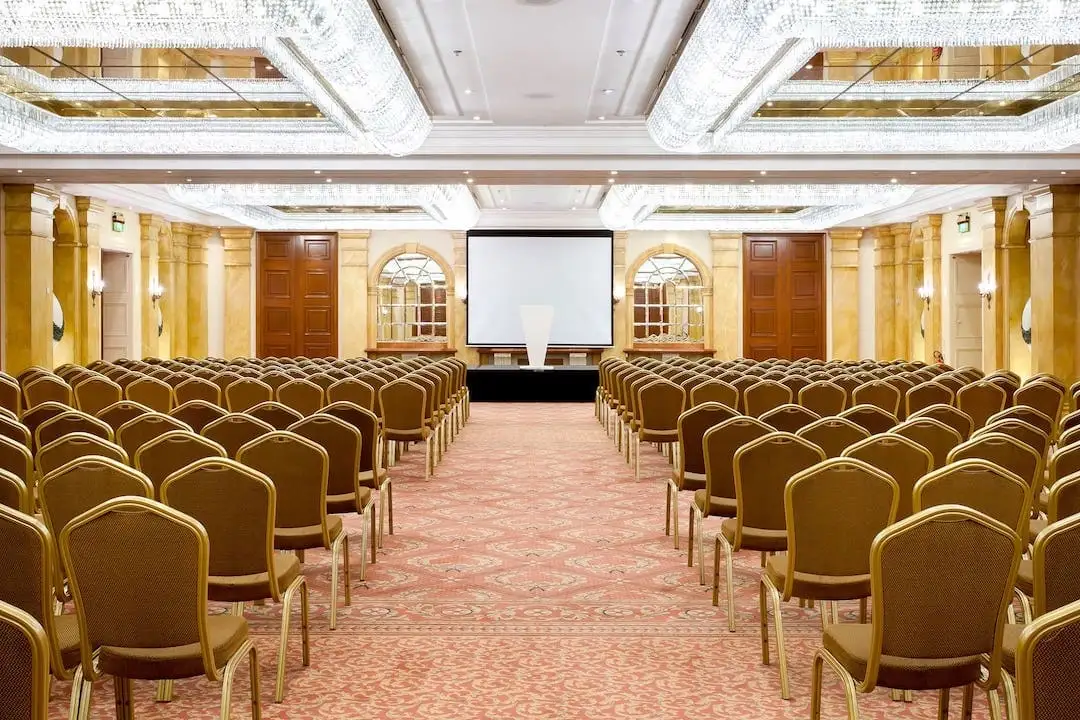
[1048, 666]
[352, 390]
[128, 597]
[717, 391]
[905, 461]
[71, 422]
[404, 405]
[235, 430]
[824, 397]
[1026, 433]
[74, 446]
[762, 469]
[833, 434]
[14, 494]
[274, 413]
[765, 395]
[948, 571]
[303, 396]
[245, 392]
[1053, 556]
[879, 394]
[96, 393]
[38, 414]
[660, 403]
[720, 444]
[342, 443]
[198, 413]
[925, 394]
[299, 469]
[161, 457]
[24, 674]
[980, 485]
[48, 388]
[121, 412]
[1014, 455]
[980, 400]
[1026, 414]
[1045, 397]
[151, 392]
[135, 433]
[789, 418]
[10, 394]
[17, 459]
[13, 429]
[955, 418]
[197, 388]
[365, 421]
[833, 511]
[935, 436]
[693, 425]
[237, 507]
[871, 418]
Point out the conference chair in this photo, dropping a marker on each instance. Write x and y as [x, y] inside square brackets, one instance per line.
[38, 414]
[151, 392]
[833, 435]
[47, 388]
[136, 608]
[688, 472]
[878, 393]
[10, 394]
[980, 485]
[354, 391]
[96, 393]
[121, 412]
[1011, 454]
[24, 674]
[237, 506]
[275, 413]
[235, 430]
[198, 413]
[660, 403]
[197, 388]
[303, 396]
[12, 429]
[1048, 665]
[717, 391]
[135, 433]
[765, 395]
[161, 457]
[789, 418]
[980, 400]
[70, 422]
[924, 395]
[246, 392]
[871, 418]
[905, 583]
[73, 446]
[905, 461]
[955, 418]
[1029, 415]
[14, 493]
[938, 438]
[372, 473]
[16, 458]
[404, 404]
[1045, 395]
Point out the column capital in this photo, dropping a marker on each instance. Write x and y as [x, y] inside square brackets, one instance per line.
[36, 198]
[88, 205]
[458, 236]
[620, 236]
[353, 238]
[901, 232]
[883, 237]
[198, 236]
[237, 238]
[996, 204]
[1046, 199]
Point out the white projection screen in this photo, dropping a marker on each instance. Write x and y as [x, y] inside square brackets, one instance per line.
[571, 270]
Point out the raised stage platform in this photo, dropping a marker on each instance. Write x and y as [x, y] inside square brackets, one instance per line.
[562, 383]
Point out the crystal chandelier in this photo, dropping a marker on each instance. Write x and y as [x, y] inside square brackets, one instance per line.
[633, 207]
[450, 207]
[743, 51]
[333, 52]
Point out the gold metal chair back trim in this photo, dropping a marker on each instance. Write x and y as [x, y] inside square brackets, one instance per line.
[833, 434]
[720, 444]
[904, 460]
[981, 485]
[1048, 665]
[25, 667]
[74, 446]
[762, 468]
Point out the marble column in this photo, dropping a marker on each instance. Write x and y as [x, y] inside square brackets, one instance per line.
[88, 210]
[992, 216]
[844, 310]
[904, 292]
[28, 268]
[885, 294]
[353, 293]
[622, 290]
[456, 336]
[727, 286]
[913, 273]
[69, 285]
[172, 303]
[239, 281]
[932, 278]
[1055, 264]
[1016, 290]
[198, 316]
[181, 232]
[151, 227]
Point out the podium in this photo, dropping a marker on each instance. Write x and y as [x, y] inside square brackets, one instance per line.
[536, 322]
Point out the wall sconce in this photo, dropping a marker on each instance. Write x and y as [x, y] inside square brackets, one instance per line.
[986, 290]
[96, 286]
[926, 292]
[156, 291]
[618, 292]
[463, 294]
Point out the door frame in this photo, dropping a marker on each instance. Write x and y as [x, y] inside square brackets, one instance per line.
[128, 259]
[296, 236]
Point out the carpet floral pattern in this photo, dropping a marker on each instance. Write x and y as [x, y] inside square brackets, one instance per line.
[530, 577]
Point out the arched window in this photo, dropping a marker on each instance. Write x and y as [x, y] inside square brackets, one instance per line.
[669, 301]
[412, 300]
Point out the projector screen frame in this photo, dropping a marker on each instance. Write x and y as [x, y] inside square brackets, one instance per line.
[541, 233]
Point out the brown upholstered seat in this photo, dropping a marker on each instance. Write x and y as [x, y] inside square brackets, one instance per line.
[372, 473]
[148, 618]
[404, 403]
[940, 584]
[659, 404]
[237, 507]
[299, 469]
[981, 485]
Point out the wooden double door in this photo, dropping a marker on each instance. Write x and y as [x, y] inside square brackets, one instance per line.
[296, 306]
[784, 296]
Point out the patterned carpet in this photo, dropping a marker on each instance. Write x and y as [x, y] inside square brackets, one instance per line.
[529, 578]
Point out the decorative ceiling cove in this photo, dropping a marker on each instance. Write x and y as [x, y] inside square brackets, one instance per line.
[334, 54]
[743, 55]
[335, 207]
[795, 208]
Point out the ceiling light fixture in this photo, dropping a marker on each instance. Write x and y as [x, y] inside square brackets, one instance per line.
[914, 172]
[468, 91]
[608, 91]
[1064, 172]
[893, 180]
[763, 172]
[329, 180]
[614, 172]
[475, 117]
[19, 171]
[601, 118]
[470, 180]
[168, 172]
[611, 180]
[317, 172]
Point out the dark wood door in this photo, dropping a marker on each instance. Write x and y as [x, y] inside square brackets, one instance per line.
[297, 294]
[783, 296]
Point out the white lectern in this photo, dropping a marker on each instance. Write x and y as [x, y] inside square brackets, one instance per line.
[536, 321]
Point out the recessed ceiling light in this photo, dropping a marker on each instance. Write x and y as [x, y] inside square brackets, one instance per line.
[1034, 179]
[168, 172]
[892, 180]
[468, 91]
[475, 117]
[809, 66]
[1003, 102]
[48, 179]
[614, 172]
[19, 171]
[914, 172]
[601, 118]
[77, 104]
[611, 180]
[464, 172]
[753, 180]
[329, 180]
[307, 104]
[573, 207]
[608, 91]
[770, 103]
[470, 181]
[1064, 173]
[763, 172]
[317, 172]
[269, 67]
[187, 179]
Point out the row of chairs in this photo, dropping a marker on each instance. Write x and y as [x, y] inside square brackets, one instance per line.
[819, 489]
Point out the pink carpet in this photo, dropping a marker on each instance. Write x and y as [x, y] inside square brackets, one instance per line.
[529, 578]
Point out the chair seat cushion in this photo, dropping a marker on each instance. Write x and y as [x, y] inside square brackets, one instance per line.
[1025, 578]
[226, 633]
[67, 638]
[1009, 642]
[308, 536]
[755, 538]
[245, 588]
[367, 478]
[658, 436]
[413, 435]
[1035, 526]
[722, 506]
[688, 480]
[817, 587]
[347, 502]
[849, 643]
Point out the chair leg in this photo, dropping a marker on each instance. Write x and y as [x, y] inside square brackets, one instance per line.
[701, 548]
[122, 694]
[390, 506]
[729, 576]
[763, 609]
[1025, 605]
[943, 704]
[850, 696]
[1012, 709]
[667, 512]
[637, 456]
[164, 692]
[427, 458]
[345, 562]
[862, 611]
[690, 538]
[372, 538]
[283, 644]
[229, 673]
[81, 690]
[967, 702]
[778, 620]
